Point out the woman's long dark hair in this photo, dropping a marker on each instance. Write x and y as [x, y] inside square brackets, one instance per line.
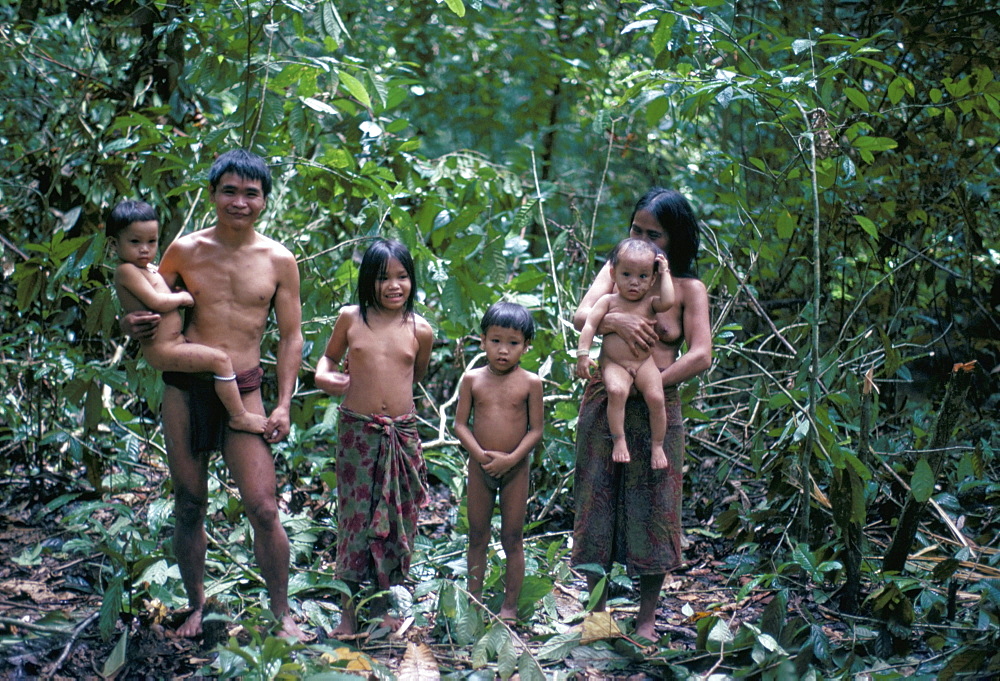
[674, 214]
[373, 264]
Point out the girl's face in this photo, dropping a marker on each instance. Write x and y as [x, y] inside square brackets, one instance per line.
[644, 226]
[137, 243]
[392, 288]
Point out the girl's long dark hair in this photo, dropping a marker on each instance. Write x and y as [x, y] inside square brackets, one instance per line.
[674, 214]
[373, 265]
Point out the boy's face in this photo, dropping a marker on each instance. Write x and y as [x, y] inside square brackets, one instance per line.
[503, 347]
[238, 201]
[137, 243]
[633, 274]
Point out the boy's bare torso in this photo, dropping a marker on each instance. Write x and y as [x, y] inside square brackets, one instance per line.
[233, 288]
[383, 347]
[168, 331]
[613, 347]
[500, 408]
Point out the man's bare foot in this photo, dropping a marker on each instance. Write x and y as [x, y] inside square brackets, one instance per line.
[289, 629]
[658, 460]
[508, 614]
[619, 452]
[249, 422]
[191, 626]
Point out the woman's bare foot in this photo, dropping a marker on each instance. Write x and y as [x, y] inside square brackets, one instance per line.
[248, 422]
[658, 459]
[508, 614]
[646, 630]
[289, 629]
[191, 626]
[619, 451]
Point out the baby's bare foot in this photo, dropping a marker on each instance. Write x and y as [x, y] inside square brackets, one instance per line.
[619, 453]
[658, 460]
[248, 422]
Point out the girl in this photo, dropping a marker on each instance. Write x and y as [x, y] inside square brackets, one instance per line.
[379, 464]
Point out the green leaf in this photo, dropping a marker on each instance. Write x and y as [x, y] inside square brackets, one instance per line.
[857, 98]
[456, 6]
[867, 225]
[355, 87]
[116, 660]
[922, 482]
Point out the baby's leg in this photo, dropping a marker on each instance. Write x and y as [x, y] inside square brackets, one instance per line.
[618, 382]
[649, 383]
[193, 358]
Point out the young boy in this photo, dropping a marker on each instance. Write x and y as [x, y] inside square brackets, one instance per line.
[506, 401]
[134, 232]
[634, 267]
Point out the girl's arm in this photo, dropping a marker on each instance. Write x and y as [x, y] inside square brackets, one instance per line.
[463, 410]
[665, 298]
[329, 378]
[130, 278]
[501, 464]
[697, 335]
[425, 342]
[594, 318]
[637, 332]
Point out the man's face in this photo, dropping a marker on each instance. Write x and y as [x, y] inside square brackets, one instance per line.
[238, 201]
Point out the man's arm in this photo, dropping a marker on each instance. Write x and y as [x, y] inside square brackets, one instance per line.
[288, 312]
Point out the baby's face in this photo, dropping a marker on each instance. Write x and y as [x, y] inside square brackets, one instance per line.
[633, 274]
[137, 243]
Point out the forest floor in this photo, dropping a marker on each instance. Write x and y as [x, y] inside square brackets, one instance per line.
[49, 611]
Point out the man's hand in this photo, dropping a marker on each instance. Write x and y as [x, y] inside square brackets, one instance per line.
[140, 325]
[278, 425]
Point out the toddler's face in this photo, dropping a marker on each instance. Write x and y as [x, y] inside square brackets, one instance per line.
[503, 347]
[137, 243]
[634, 275]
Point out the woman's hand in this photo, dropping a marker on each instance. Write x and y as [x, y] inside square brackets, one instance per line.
[639, 333]
[140, 325]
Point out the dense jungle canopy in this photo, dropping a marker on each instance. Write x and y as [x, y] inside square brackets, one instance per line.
[842, 462]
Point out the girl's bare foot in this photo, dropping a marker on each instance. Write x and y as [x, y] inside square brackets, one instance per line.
[248, 422]
[658, 460]
[191, 626]
[619, 452]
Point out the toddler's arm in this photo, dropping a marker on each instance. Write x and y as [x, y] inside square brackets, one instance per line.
[328, 378]
[665, 298]
[463, 410]
[594, 318]
[129, 277]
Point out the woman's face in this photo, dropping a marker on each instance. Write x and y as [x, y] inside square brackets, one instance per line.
[645, 227]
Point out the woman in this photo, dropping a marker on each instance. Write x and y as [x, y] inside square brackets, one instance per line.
[629, 513]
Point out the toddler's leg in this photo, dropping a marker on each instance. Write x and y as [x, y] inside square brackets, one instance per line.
[618, 382]
[479, 507]
[649, 383]
[513, 506]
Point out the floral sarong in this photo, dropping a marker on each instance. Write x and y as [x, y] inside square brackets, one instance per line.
[380, 488]
[627, 513]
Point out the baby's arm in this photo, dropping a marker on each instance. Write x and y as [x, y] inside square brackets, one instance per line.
[131, 278]
[594, 318]
[501, 464]
[463, 410]
[329, 378]
[665, 298]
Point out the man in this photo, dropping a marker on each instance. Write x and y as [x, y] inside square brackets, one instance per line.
[236, 276]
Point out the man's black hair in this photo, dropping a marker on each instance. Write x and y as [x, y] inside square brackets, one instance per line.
[245, 164]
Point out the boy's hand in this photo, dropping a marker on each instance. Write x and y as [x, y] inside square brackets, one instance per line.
[140, 325]
[499, 464]
[583, 365]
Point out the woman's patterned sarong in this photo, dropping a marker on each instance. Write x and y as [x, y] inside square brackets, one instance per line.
[627, 512]
[380, 488]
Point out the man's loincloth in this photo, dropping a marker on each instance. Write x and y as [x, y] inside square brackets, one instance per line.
[209, 418]
[380, 488]
[627, 512]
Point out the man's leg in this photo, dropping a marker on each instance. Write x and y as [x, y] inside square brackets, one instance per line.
[189, 474]
[252, 466]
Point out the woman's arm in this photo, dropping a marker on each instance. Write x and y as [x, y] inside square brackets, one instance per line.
[697, 334]
[638, 333]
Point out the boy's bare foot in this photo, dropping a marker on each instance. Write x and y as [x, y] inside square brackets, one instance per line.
[619, 452]
[289, 629]
[658, 460]
[191, 626]
[248, 422]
